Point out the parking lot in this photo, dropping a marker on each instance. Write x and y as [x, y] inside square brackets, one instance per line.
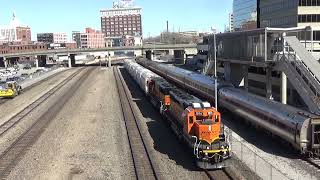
[21, 74]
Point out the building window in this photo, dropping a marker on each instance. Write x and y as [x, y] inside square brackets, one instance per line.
[309, 2]
[302, 18]
[316, 35]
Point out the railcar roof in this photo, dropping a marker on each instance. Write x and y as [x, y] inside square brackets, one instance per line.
[296, 115]
[163, 83]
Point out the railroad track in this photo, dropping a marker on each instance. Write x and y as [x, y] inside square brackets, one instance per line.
[19, 116]
[144, 165]
[4, 100]
[12, 155]
[314, 162]
[218, 174]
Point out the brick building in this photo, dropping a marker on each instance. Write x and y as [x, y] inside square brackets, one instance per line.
[92, 39]
[15, 48]
[121, 20]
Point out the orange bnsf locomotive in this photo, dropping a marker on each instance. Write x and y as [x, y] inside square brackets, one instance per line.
[194, 121]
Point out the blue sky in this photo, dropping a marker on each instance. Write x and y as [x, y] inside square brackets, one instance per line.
[69, 15]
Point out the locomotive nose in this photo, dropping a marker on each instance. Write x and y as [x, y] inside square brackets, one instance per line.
[207, 131]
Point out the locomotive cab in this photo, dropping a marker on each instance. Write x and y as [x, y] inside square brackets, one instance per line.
[204, 125]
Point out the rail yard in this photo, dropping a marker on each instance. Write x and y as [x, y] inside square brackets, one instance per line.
[49, 133]
[123, 122]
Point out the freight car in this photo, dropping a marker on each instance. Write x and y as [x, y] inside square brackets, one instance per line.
[192, 120]
[299, 128]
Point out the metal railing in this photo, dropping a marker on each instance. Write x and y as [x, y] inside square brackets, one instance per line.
[299, 74]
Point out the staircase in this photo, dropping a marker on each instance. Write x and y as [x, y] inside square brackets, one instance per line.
[208, 68]
[302, 70]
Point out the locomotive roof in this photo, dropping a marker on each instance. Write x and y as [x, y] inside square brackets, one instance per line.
[184, 98]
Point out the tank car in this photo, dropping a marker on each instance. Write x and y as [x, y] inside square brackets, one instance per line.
[141, 75]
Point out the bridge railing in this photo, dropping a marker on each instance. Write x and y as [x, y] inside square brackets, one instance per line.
[121, 48]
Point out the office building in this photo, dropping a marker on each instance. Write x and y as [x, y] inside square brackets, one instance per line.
[293, 13]
[121, 20]
[245, 14]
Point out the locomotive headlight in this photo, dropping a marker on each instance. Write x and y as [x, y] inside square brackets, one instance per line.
[208, 147]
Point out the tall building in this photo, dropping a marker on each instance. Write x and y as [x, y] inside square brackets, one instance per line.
[123, 19]
[292, 13]
[15, 32]
[245, 14]
[92, 39]
[56, 38]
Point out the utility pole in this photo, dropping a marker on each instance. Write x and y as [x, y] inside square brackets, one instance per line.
[215, 72]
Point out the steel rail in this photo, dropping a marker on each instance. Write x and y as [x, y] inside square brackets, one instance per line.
[144, 165]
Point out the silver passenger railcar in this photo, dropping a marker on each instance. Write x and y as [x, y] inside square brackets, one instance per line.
[293, 125]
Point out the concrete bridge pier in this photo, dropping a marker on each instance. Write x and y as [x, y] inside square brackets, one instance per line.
[41, 60]
[3, 62]
[269, 83]
[171, 52]
[71, 60]
[138, 53]
[227, 71]
[179, 56]
[149, 54]
[108, 60]
[283, 88]
[11, 61]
